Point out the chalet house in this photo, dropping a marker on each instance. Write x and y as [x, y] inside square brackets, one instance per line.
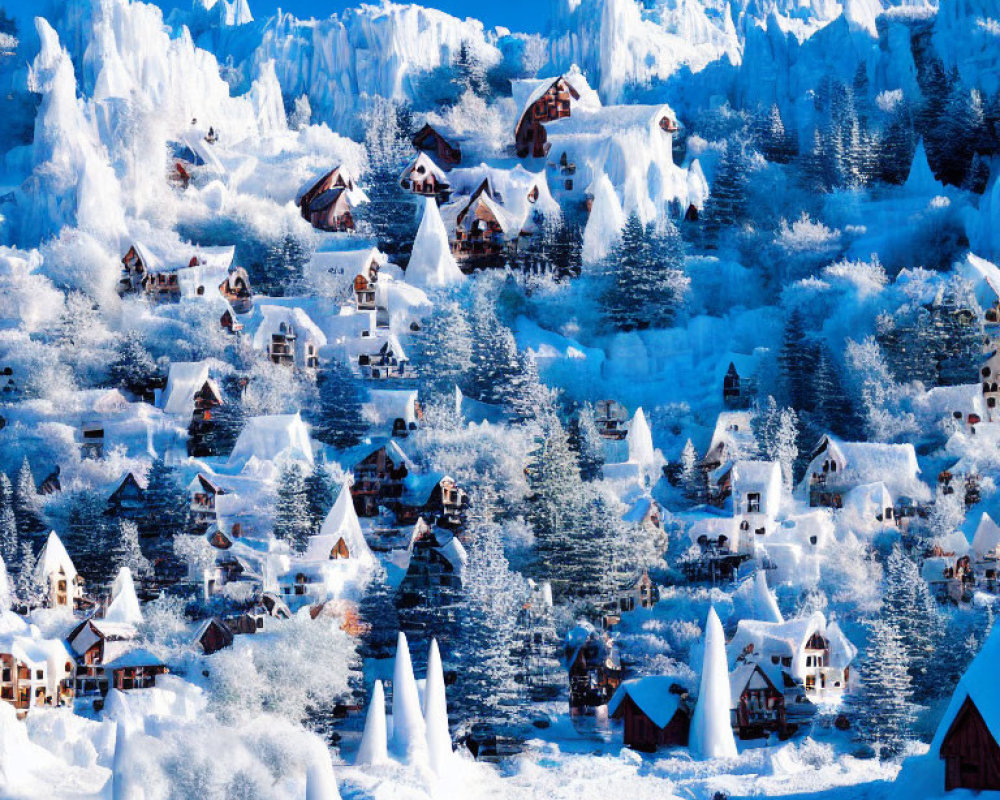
[479, 226]
[288, 336]
[985, 553]
[273, 437]
[814, 653]
[434, 496]
[340, 536]
[757, 705]
[230, 322]
[654, 711]
[718, 560]
[96, 643]
[611, 418]
[364, 292]
[136, 669]
[379, 470]
[543, 101]
[739, 380]
[236, 290]
[137, 265]
[330, 202]
[213, 635]
[429, 140]
[951, 578]
[965, 751]
[756, 493]
[389, 361]
[595, 670]
[731, 439]
[55, 570]
[129, 499]
[837, 467]
[437, 563]
[35, 672]
[203, 493]
[422, 176]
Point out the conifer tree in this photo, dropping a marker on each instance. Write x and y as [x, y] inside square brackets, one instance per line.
[497, 369]
[338, 420]
[377, 610]
[9, 549]
[727, 204]
[133, 368]
[321, 493]
[29, 588]
[881, 705]
[777, 144]
[292, 521]
[692, 481]
[25, 501]
[443, 348]
[587, 441]
[797, 361]
[896, 145]
[126, 552]
[909, 607]
[89, 537]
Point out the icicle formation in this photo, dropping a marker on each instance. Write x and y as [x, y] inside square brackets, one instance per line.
[711, 732]
[408, 729]
[765, 606]
[436, 713]
[432, 265]
[373, 749]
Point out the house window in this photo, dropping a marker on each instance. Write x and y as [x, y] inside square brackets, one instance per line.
[568, 184]
[753, 503]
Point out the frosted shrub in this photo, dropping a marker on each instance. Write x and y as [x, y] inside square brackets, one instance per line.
[815, 754]
[805, 235]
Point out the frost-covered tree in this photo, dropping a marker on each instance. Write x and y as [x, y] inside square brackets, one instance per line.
[25, 501]
[320, 489]
[442, 349]
[133, 368]
[587, 441]
[387, 127]
[497, 370]
[878, 394]
[691, 479]
[727, 205]
[645, 274]
[377, 610]
[8, 534]
[896, 144]
[947, 515]
[292, 521]
[89, 536]
[797, 362]
[775, 141]
[881, 706]
[126, 551]
[470, 71]
[492, 595]
[911, 609]
[337, 418]
[29, 588]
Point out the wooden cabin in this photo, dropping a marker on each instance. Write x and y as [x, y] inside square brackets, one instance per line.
[236, 289]
[595, 671]
[437, 561]
[378, 478]
[129, 499]
[553, 103]
[25, 681]
[327, 205]
[97, 643]
[281, 348]
[611, 418]
[757, 706]
[483, 226]
[429, 140]
[423, 177]
[203, 493]
[654, 711]
[364, 293]
[213, 635]
[136, 669]
[230, 322]
[970, 752]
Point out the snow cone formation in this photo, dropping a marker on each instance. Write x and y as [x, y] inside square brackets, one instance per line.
[373, 749]
[409, 732]
[436, 713]
[711, 731]
[765, 606]
[432, 266]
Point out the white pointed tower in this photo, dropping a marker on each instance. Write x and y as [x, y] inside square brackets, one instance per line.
[374, 741]
[409, 733]
[711, 730]
[765, 606]
[124, 606]
[432, 266]
[436, 713]
[340, 535]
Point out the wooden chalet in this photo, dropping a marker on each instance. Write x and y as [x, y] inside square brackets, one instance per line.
[551, 103]
[437, 562]
[595, 671]
[213, 635]
[654, 711]
[201, 431]
[230, 322]
[429, 140]
[136, 669]
[25, 678]
[423, 177]
[433, 496]
[378, 477]
[612, 419]
[236, 289]
[757, 705]
[970, 752]
[482, 228]
[96, 643]
[129, 499]
[203, 493]
[327, 204]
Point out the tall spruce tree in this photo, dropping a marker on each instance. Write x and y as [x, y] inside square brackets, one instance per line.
[292, 520]
[337, 419]
[29, 589]
[442, 349]
[691, 478]
[126, 551]
[909, 607]
[89, 536]
[727, 205]
[587, 442]
[25, 502]
[134, 368]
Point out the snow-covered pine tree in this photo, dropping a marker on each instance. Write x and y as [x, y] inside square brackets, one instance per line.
[947, 514]
[896, 145]
[126, 551]
[776, 143]
[337, 419]
[321, 493]
[881, 706]
[9, 550]
[443, 348]
[911, 609]
[6, 490]
[25, 502]
[470, 71]
[786, 447]
[292, 521]
[496, 366]
[797, 359]
[377, 610]
[89, 537]
[587, 441]
[692, 480]
[964, 133]
[133, 368]
[832, 409]
[28, 588]
[727, 204]
[487, 689]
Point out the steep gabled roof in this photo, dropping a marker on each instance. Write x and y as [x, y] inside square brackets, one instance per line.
[54, 558]
[652, 695]
[341, 523]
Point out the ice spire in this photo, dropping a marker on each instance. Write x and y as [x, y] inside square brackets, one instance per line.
[436, 712]
[640, 440]
[711, 731]
[921, 179]
[605, 223]
[124, 606]
[408, 729]
[432, 265]
[765, 606]
[320, 783]
[373, 749]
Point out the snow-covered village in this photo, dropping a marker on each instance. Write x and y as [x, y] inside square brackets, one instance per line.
[395, 404]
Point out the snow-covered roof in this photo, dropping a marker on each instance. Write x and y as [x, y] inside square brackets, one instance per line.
[945, 401]
[54, 559]
[511, 187]
[789, 638]
[527, 91]
[870, 462]
[983, 275]
[759, 476]
[194, 140]
[272, 438]
[987, 536]
[733, 432]
[135, 657]
[355, 455]
[651, 695]
[385, 406]
[341, 523]
[978, 684]
[746, 676]
[421, 164]
[608, 120]
[268, 319]
[346, 262]
[184, 380]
